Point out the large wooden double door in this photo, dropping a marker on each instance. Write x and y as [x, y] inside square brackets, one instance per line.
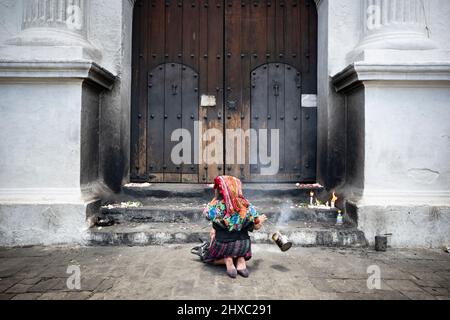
[224, 65]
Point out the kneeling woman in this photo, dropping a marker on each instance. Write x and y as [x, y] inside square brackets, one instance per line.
[233, 217]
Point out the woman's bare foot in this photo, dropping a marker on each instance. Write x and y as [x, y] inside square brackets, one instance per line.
[241, 264]
[242, 268]
[231, 270]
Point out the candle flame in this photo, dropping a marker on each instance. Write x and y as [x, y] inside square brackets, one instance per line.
[311, 194]
[334, 199]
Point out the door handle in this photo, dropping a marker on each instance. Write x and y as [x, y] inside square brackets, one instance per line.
[276, 88]
[174, 89]
[232, 105]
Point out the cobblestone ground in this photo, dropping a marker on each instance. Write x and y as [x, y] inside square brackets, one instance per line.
[173, 273]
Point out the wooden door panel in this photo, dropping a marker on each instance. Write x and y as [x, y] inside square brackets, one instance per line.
[156, 112]
[219, 44]
[275, 95]
[214, 57]
[309, 143]
[246, 67]
[293, 123]
[173, 104]
[276, 104]
[177, 43]
[190, 113]
[259, 108]
[172, 115]
[139, 94]
[234, 83]
[272, 38]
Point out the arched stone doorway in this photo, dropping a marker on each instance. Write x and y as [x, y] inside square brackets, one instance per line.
[225, 43]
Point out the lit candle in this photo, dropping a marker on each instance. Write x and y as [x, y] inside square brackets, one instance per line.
[333, 201]
[311, 200]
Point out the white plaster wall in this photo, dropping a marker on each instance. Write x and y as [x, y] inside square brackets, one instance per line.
[10, 18]
[40, 145]
[411, 227]
[407, 137]
[438, 16]
[355, 151]
[43, 224]
[45, 127]
[339, 33]
[111, 32]
[323, 91]
[125, 81]
[345, 27]
[344, 32]
[105, 32]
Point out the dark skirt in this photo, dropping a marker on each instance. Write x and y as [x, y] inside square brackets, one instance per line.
[234, 249]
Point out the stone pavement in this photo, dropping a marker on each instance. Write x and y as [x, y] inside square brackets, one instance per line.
[173, 273]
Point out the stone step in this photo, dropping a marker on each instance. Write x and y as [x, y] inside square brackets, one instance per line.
[266, 202]
[203, 191]
[178, 211]
[300, 233]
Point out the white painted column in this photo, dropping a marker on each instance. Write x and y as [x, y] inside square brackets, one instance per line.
[51, 86]
[396, 89]
[60, 14]
[55, 23]
[395, 24]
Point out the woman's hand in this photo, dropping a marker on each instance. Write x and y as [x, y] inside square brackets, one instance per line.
[260, 221]
[263, 219]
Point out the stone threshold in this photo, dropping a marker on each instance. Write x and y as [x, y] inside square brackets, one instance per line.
[302, 234]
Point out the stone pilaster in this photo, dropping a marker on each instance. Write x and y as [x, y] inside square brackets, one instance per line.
[396, 90]
[55, 23]
[395, 25]
[68, 15]
[50, 73]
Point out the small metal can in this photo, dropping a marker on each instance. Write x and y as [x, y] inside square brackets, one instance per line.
[283, 243]
[381, 243]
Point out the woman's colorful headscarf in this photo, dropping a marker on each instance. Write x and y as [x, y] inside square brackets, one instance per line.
[231, 190]
[233, 211]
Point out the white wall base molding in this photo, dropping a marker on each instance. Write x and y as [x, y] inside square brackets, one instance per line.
[46, 195]
[49, 38]
[411, 226]
[387, 197]
[23, 224]
[361, 73]
[41, 70]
